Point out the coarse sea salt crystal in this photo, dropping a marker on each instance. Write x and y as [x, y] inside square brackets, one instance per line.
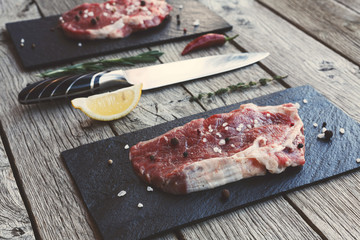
[121, 193]
[297, 105]
[342, 130]
[305, 101]
[218, 134]
[196, 23]
[140, 205]
[268, 114]
[225, 124]
[248, 126]
[323, 130]
[239, 128]
[217, 150]
[222, 142]
[358, 160]
[91, 14]
[226, 128]
[321, 135]
[80, 44]
[232, 145]
[127, 146]
[204, 140]
[210, 129]
[149, 189]
[107, 6]
[315, 124]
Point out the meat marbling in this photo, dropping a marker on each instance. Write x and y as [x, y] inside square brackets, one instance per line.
[206, 153]
[113, 19]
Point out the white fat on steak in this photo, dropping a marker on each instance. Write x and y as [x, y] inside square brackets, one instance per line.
[180, 161]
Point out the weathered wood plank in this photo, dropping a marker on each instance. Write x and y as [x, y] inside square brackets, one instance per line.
[49, 8]
[293, 53]
[272, 219]
[306, 61]
[16, 11]
[334, 24]
[352, 4]
[14, 219]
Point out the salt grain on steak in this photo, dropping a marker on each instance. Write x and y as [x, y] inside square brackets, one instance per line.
[113, 19]
[270, 146]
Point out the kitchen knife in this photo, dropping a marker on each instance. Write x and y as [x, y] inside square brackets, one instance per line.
[151, 77]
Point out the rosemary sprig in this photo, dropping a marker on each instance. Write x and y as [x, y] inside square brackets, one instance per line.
[236, 87]
[103, 64]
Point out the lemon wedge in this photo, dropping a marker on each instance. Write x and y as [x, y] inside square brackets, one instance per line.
[111, 105]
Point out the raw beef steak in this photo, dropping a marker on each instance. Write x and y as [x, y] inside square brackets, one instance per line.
[206, 153]
[113, 19]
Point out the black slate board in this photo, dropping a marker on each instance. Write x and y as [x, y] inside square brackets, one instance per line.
[120, 218]
[53, 47]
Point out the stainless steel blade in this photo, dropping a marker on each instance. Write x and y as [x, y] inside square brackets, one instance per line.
[176, 72]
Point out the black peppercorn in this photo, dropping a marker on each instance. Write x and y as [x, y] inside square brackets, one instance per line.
[300, 145]
[227, 140]
[80, 12]
[225, 194]
[93, 21]
[324, 124]
[142, 3]
[152, 158]
[77, 18]
[174, 142]
[185, 154]
[328, 134]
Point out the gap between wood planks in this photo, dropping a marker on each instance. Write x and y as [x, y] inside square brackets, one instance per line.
[19, 183]
[304, 217]
[347, 6]
[298, 26]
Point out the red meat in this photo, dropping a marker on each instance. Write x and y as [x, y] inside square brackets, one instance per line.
[113, 19]
[206, 153]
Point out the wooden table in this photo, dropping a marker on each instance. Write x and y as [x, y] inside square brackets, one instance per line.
[313, 42]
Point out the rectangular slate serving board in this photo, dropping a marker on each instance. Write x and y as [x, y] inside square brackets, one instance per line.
[53, 47]
[120, 218]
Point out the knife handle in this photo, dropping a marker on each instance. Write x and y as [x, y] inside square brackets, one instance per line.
[72, 86]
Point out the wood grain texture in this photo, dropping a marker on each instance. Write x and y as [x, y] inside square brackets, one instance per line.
[14, 219]
[293, 53]
[352, 4]
[306, 61]
[16, 11]
[334, 24]
[273, 219]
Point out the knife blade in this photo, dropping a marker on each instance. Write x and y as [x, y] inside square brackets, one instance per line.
[151, 77]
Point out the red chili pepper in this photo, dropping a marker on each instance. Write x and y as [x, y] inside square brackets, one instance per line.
[205, 41]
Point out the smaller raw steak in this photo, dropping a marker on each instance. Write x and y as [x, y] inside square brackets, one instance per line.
[206, 153]
[113, 19]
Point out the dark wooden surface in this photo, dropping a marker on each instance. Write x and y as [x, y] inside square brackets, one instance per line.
[313, 42]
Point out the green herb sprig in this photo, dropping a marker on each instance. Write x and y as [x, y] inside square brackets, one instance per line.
[103, 64]
[236, 87]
